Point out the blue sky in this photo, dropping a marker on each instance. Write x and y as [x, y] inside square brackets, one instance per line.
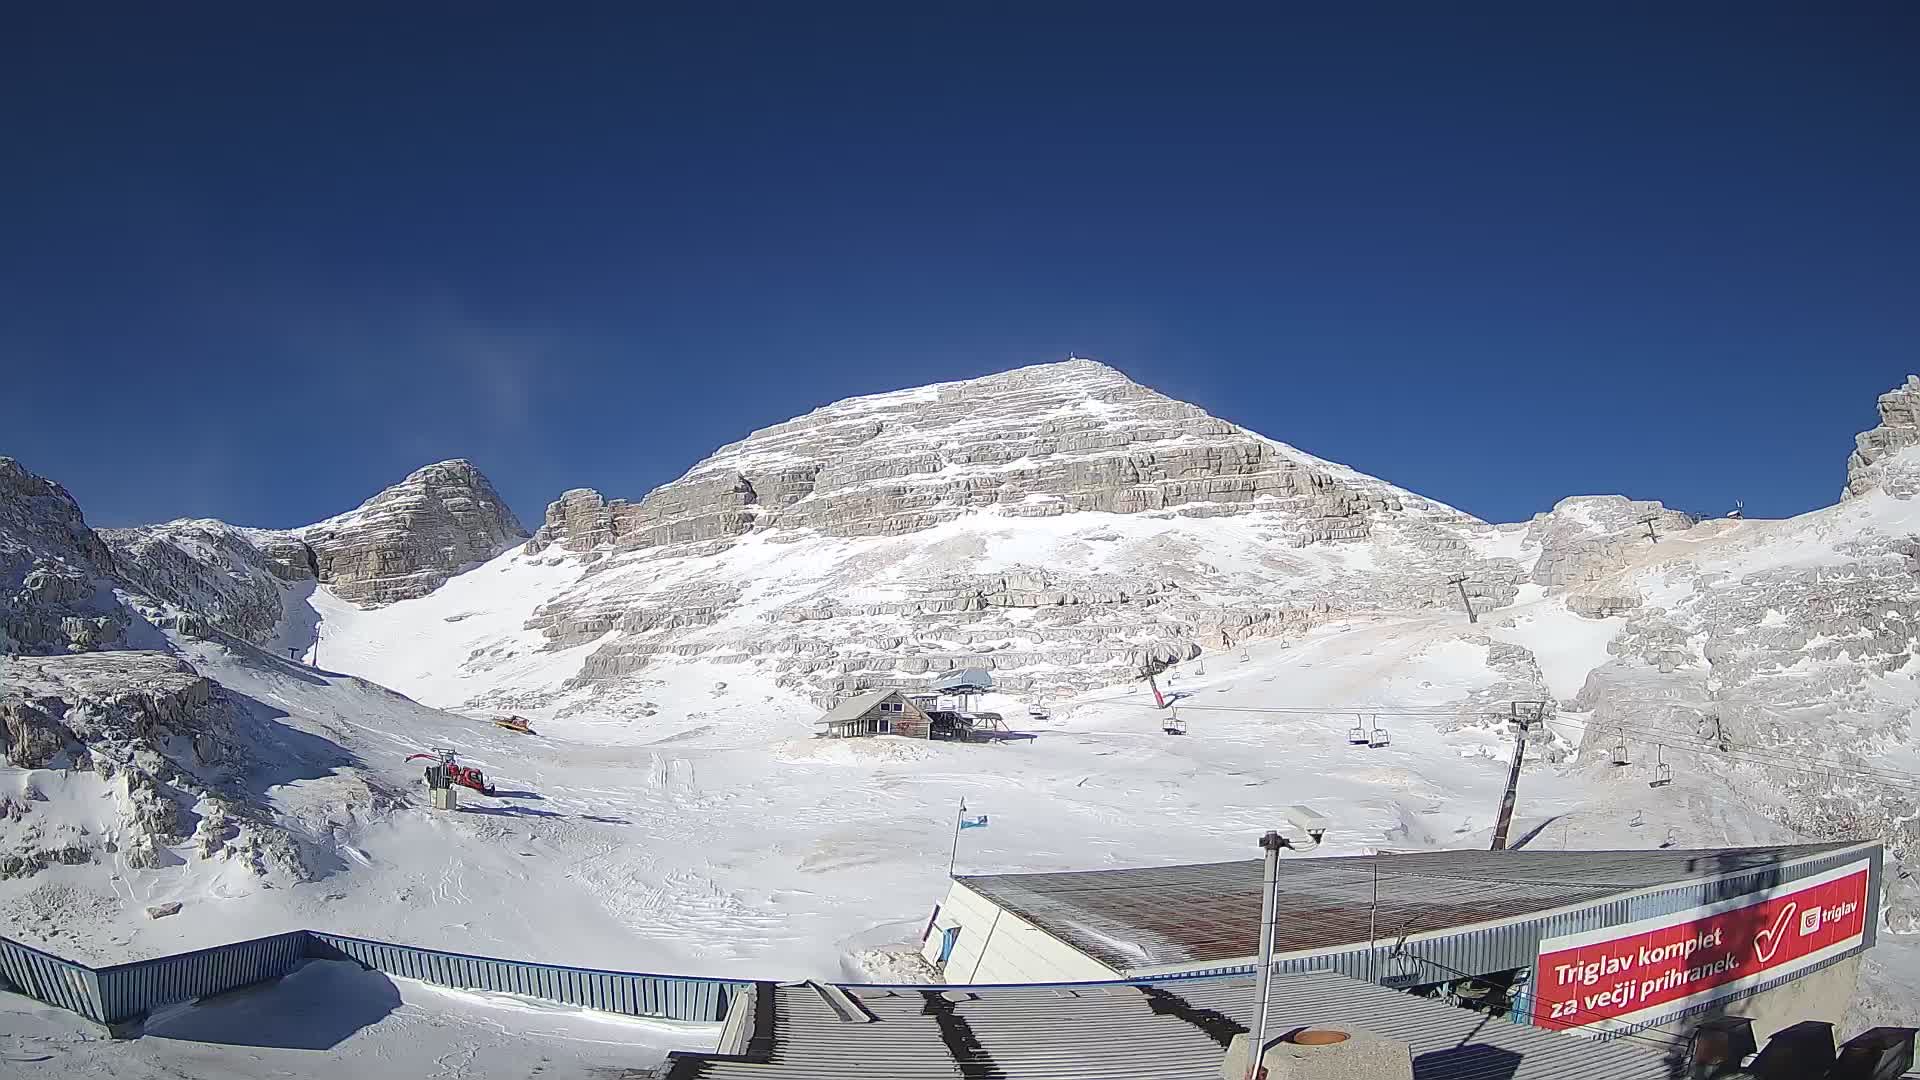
[260, 264]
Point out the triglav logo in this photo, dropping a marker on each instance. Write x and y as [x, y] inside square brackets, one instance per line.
[1809, 922]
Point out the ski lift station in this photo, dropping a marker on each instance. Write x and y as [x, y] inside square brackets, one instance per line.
[1600, 942]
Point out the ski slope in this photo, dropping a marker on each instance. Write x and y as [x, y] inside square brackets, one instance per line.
[753, 849]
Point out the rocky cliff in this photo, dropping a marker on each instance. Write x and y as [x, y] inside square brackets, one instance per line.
[55, 575]
[1039, 441]
[1875, 449]
[409, 539]
[209, 572]
[151, 752]
[401, 544]
[1059, 525]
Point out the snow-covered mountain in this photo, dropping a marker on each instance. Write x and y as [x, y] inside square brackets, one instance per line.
[1058, 525]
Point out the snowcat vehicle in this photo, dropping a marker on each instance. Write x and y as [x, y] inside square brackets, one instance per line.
[465, 775]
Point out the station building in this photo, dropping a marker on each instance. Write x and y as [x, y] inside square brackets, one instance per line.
[1603, 943]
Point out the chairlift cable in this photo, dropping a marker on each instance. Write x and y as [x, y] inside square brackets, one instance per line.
[1874, 777]
[1683, 741]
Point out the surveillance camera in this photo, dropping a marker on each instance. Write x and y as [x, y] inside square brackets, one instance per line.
[1309, 821]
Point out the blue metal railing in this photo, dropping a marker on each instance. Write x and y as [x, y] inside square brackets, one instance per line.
[125, 991]
[130, 990]
[671, 997]
[46, 977]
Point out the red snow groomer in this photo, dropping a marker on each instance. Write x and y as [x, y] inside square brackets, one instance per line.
[464, 775]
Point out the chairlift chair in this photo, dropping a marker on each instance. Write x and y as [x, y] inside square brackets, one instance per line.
[1380, 738]
[1175, 724]
[1357, 735]
[1662, 772]
[1620, 751]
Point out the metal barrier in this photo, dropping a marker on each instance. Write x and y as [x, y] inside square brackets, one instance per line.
[122, 992]
[46, 977]
[137, 988]
[672, 997]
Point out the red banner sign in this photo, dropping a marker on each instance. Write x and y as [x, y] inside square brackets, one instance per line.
[1623, 974]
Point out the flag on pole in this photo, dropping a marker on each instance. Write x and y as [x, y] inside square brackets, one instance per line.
[974, 822]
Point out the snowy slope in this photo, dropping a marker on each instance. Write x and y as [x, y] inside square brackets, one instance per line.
[744, 846]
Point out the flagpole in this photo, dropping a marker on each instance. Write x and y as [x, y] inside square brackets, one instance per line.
[958, 816]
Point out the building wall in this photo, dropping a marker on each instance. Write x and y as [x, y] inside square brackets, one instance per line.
[1505, 945]
[911, 722]
[997, 946]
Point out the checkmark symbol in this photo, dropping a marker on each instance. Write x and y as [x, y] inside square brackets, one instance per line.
[1767, 942]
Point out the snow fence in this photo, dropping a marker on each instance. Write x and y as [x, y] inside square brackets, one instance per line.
[46, 977]
[123, 992]
[673, 997]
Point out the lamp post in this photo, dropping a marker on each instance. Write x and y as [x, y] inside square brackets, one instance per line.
[1270, 845]
[1269, 882]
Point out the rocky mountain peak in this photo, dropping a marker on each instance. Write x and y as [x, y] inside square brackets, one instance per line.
[54, 593]
[408, 540]
[1870, 464]
[401, 544]
[1039, 441]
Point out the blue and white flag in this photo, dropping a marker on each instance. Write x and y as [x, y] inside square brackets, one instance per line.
[974, 822]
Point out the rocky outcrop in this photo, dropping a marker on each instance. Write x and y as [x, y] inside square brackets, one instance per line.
[408, 540]
[1601, 605]
[1587, 536]
[1035, 442]
[1874, 451]
[402, 543]
[231, 578]
[55, 573]
[161, 735]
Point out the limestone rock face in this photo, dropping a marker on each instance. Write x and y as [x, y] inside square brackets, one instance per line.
[402, 543]
[55, 573]
[1872, 461]
[1586, 536]
[235, 579]
[164, 737]
[409, 539]
[1057, 525]
[1035, 442]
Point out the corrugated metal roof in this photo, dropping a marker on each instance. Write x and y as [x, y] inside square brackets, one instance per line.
[855, 707]
[1173, 1030]
[1145, 918]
